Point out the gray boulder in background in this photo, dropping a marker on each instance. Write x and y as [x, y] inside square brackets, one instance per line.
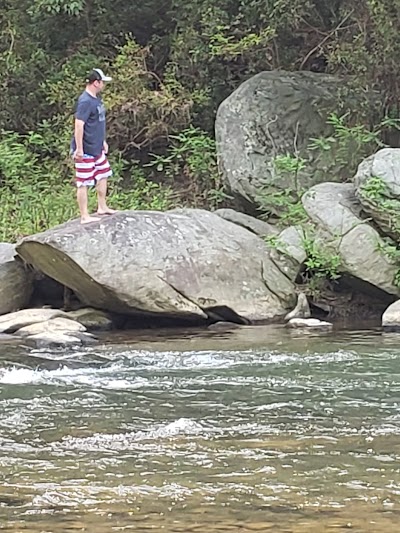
[275, 113]
[15, 281]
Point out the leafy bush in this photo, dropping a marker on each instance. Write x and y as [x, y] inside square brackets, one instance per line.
[192, 161]
[34, 197]
[351, 142]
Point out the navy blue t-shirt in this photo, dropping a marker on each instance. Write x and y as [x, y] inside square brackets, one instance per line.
[93, 113]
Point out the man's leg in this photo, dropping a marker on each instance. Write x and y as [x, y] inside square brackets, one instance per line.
[85, 171]
[102, 208]
[102, 173]
[82, 197]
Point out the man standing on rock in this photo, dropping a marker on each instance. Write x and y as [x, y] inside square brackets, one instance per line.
[90, 148]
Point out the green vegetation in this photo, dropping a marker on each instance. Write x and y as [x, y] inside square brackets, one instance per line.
[34, 198]
[350, 143]
[190, 162]
[392, 252]
[322, 264]
[173, 62]
[374, 189]
[346, 147]
[375, 195]
[285, 203]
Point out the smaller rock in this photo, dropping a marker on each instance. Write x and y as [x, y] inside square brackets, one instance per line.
[391, 317]
[309, 323]
[8, 339]
[56, 325]
[15, 281]
[223, 326]
[302, 309]
[258, 227]
[335, 210]
[60, 339]
[92, 319]
[14, 321]
[288, 252]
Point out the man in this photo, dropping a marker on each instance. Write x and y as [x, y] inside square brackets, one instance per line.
[90, 148]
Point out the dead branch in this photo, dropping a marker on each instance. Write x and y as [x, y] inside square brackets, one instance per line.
[326, 38]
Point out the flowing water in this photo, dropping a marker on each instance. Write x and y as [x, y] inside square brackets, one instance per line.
[254, 429]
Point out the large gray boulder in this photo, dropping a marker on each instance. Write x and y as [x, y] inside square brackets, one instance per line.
[335, 211]
[271, 114]
[285, 248]
[377, 184]
[15, 281]
[184, 264]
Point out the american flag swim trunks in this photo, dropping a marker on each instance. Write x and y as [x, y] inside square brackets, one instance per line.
[91, 170]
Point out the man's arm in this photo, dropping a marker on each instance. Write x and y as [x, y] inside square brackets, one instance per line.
[79, 125]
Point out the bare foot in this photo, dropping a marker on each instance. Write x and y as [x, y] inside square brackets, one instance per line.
[107, 211]
[88, 219]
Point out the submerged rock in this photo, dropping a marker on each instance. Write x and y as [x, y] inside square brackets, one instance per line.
[391, 317]
[223, 326]
[309, 323]
[47, 339]
[15, 281]
[185, 264]
[5, 338]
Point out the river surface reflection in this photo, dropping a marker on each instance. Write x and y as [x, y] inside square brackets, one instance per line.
[253, 429]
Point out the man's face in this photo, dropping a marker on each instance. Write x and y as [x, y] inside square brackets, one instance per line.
[99, 85]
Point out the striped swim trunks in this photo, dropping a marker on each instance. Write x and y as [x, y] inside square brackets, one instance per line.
[91, 170]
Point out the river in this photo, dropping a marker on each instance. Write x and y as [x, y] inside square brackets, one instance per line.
[254, 429]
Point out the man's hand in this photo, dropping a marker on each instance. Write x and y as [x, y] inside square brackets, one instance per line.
[78, 156]
[105, 147]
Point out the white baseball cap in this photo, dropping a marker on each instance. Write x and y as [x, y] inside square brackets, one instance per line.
[98, 74]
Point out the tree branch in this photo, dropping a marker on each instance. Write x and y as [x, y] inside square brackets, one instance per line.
[326, 38]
